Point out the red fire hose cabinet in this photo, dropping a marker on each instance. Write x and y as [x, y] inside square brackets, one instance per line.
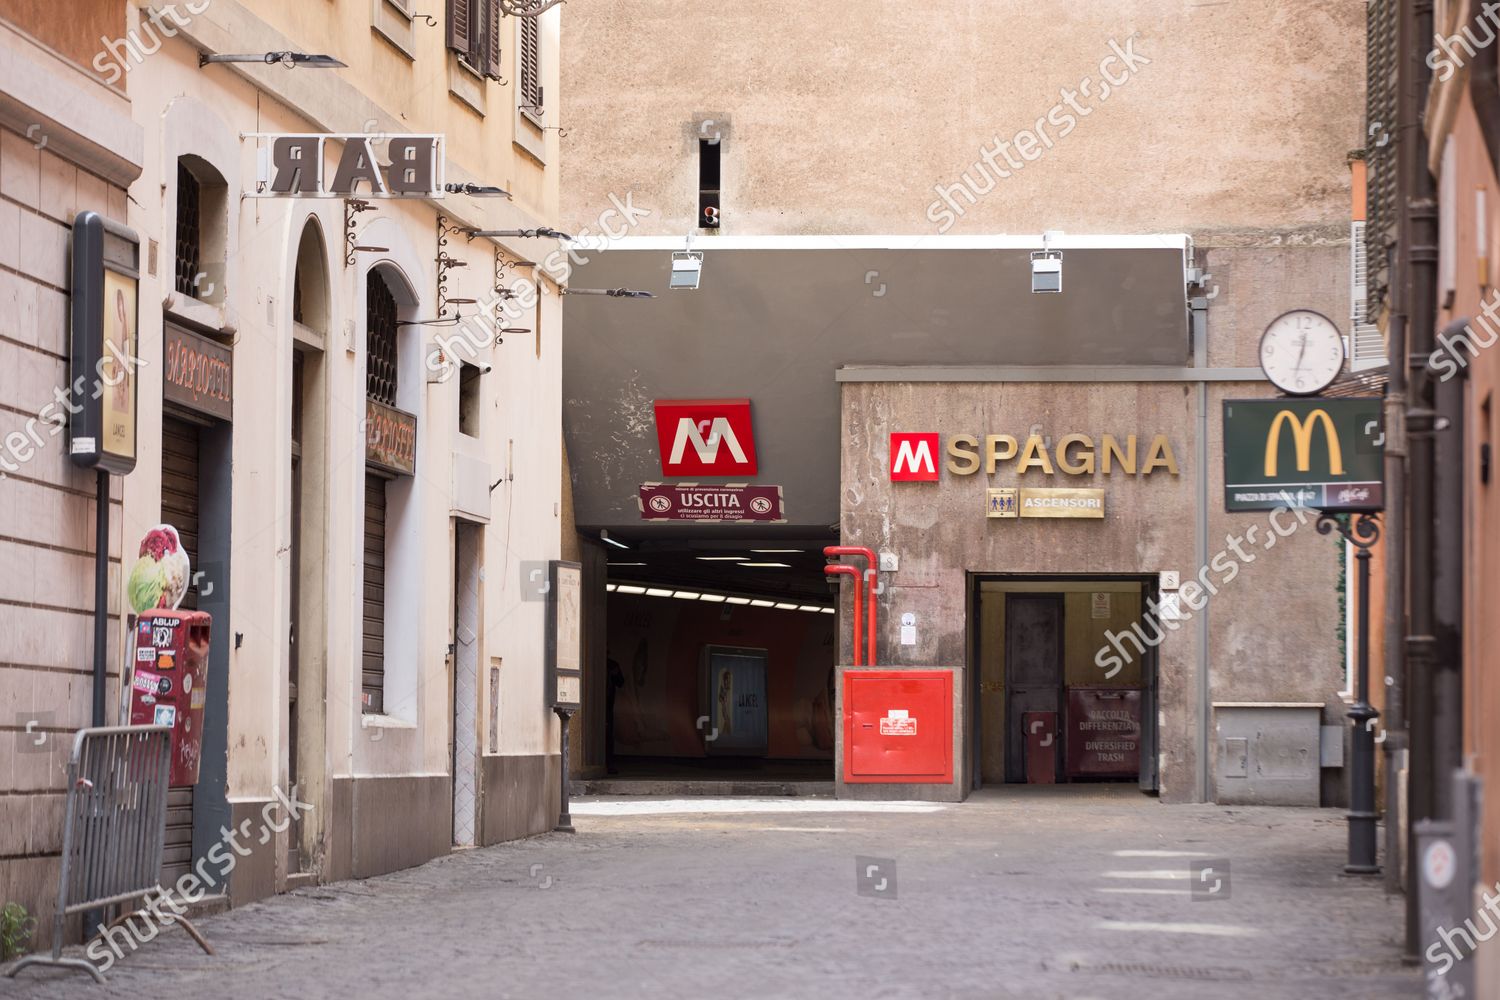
[897, 726]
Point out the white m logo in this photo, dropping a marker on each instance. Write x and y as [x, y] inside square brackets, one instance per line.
[914, 456]
[719, 431]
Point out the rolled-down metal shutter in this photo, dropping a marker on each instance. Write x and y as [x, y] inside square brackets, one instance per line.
[373, 667]
[179, 508]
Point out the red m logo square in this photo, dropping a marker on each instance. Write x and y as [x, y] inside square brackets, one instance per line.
[914, 458]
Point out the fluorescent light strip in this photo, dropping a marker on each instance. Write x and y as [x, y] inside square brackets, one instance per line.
[765, 565]
[775, 552]
[718, 558]
[694, 595]
[628, 564]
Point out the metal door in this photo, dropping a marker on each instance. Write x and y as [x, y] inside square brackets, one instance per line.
[465, 662]
[1033, 669]
[179, 508]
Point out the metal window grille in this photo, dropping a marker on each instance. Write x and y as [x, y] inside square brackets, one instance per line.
[1382, 208]
[380, 341]
[189, 230]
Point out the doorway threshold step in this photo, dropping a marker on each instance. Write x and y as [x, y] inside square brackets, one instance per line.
[677, 786]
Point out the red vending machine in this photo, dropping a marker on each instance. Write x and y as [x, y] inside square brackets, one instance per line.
[169, 682]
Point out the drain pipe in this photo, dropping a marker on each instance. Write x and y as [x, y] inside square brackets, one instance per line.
[1198, 316]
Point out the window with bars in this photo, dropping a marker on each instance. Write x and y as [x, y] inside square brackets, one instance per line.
[189, 230]
[380, 341]
[474, 33]
[380, 385]
[1382, 208]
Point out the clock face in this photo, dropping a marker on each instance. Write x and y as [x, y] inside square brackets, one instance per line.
[1301, 352]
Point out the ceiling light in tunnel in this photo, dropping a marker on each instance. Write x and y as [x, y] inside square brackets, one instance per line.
[738, 600]
[627, 564]
[629, 588]
[716, 598]
[762, 604]
[783, 606]
[830, 611]
[604, 537]
[610, 587]
[718, 558]
[773, 552]
[657, 592]
[688, 595]
[809, 607]
[766, 565]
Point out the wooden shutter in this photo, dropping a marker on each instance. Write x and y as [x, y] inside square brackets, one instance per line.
[531, 88]
[490, 62]
[372, 676]
[461, 26]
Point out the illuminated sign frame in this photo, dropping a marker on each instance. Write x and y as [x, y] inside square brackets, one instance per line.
[103, 421]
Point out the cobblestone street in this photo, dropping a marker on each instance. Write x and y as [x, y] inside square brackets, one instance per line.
[1075, 892]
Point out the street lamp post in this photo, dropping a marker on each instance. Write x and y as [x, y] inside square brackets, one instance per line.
[1361, 531]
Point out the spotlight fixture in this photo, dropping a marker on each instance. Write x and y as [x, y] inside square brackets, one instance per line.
[477, 190]
[288, 59]
[541, 232]
[1046, 266]
[615, 293]
[687, 267]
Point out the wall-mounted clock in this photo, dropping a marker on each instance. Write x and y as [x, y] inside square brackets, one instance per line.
[1302, 352]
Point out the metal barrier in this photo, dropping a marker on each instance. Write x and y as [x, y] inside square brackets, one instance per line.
[113, 831]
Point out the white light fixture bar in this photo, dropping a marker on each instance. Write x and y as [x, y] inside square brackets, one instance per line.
[774, 552]
[687, 595]
[657, 592]
[626, 588]
[766, 565]
[718, 558]
[695, 595]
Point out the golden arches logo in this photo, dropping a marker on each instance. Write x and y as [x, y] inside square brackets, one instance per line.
[1302, 441]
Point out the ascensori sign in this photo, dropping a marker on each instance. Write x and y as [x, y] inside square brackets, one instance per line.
[301, 165]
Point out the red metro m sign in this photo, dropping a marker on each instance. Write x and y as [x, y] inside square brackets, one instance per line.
[705, 437]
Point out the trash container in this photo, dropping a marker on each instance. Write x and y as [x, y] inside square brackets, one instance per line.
[170, 682]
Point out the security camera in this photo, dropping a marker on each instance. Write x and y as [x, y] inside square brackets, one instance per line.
[485, 367]
[1046, 271]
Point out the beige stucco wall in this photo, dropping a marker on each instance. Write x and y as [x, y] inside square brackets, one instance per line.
[841, 118]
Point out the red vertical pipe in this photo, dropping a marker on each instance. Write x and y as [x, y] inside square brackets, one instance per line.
[868, 578]
[871, 582]
[839, 569]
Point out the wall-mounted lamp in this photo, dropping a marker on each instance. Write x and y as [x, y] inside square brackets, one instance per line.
[615, 293]
[477, 190]
[542, 232]
[288, 59]
[1046, 266]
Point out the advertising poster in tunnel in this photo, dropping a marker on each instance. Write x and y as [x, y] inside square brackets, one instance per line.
[658, 646]
[736, 685]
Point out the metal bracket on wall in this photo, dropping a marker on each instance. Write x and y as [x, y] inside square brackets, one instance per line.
[352, 208]
[445, 263]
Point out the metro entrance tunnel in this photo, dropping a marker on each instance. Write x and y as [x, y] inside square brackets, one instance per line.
[706, 485]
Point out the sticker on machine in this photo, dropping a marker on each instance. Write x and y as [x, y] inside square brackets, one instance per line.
[145, 680]
[166, 715]
[898, 723]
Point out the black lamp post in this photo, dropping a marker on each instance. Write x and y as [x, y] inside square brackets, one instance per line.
[1361, 531]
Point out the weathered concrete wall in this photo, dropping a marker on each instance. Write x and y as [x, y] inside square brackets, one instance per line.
[1272, 623]
[842, 118]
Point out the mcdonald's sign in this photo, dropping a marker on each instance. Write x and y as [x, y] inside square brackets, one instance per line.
[1326, 454]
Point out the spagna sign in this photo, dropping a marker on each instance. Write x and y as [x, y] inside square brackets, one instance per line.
[914, 457]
